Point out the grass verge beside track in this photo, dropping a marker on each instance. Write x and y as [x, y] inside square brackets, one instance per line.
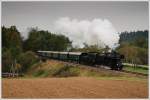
[136, 69]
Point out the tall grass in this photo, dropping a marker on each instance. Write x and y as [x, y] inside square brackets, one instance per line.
[136, 69]
[59, 71]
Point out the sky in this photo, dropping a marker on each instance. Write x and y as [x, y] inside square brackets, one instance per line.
[114, 16]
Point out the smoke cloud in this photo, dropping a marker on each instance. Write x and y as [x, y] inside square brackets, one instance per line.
[97, 31]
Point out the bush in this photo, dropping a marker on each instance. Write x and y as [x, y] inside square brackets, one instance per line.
[38, 73]
[27, 59]
[64, 71]
[58, 71]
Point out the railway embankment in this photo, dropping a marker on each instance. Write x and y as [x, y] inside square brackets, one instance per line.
[54, 68]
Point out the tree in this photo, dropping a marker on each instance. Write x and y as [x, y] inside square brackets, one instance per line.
[134, 45]
[11, 47]
[133, 54]
[138, 38]
[130, 52]
[11, 37]
[6, 60]
[44, 40]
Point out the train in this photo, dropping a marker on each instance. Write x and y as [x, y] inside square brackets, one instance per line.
[113, 60]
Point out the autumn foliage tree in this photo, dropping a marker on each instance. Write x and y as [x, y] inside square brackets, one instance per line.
[134, 45]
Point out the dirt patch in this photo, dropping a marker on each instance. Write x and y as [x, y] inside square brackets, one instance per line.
[73, 87]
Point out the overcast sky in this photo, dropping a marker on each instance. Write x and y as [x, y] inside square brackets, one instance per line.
[124, 16]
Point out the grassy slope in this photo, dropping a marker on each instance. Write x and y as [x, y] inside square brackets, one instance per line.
[60, 69]
[136, 69]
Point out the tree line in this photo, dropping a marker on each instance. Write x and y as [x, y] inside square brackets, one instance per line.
[134, 45]
[19, 54]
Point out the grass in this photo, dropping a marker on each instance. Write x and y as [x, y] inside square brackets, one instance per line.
[90, 73]
[40, 73]
[63, 70]
[136, 69]
[138, 66]
[59, 69]
[123, 78]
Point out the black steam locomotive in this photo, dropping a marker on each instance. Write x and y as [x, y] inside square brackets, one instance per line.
[112, 59]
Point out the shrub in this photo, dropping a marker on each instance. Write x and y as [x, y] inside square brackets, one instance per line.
[64, 71]
[38, 73]
[27, 59]
[58, 71]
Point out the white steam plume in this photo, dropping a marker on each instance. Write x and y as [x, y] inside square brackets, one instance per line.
[97, 31]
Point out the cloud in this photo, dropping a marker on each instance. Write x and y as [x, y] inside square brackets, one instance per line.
[96, 31]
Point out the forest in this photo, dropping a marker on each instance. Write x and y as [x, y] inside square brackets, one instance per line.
[20, 54]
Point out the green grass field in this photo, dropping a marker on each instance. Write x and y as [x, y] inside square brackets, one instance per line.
[136, 69]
